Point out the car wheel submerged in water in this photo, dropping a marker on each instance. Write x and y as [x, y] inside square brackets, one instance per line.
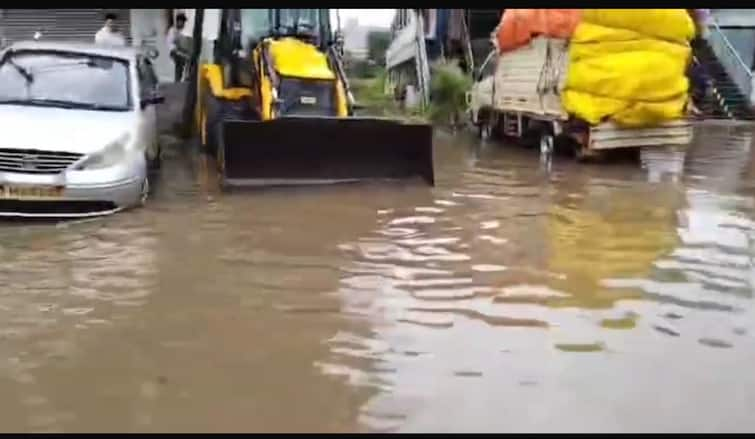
[145, 191]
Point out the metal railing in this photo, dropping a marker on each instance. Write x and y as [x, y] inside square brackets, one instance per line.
[727, 55]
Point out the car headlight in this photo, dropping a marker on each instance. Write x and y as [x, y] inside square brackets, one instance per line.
[110, 155]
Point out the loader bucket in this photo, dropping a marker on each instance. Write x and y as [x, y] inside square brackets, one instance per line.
[319, 150]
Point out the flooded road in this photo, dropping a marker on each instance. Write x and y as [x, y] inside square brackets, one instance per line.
[590, 298]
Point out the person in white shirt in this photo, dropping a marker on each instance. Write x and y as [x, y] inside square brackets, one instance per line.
[175, 42]
[109, 35]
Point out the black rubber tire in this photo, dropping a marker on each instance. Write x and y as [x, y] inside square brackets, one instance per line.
[485, 126]
[581, 154]
[485, 131]
[211, 109]
[220, 162]
[145, 191]
[157, 162]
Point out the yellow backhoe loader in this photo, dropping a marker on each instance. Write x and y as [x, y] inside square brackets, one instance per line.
[275, 108]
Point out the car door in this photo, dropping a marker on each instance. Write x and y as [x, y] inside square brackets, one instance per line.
[148, 86]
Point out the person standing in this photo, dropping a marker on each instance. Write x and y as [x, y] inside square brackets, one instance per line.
[176, 43]
[109, 34]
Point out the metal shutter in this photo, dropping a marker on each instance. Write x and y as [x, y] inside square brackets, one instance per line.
[59, 24]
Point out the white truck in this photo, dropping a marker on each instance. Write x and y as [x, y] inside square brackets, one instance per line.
[517, 94]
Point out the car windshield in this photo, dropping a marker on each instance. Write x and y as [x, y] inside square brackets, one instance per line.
[64, 80]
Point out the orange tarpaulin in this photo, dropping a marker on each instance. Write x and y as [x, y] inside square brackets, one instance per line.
[519, 26]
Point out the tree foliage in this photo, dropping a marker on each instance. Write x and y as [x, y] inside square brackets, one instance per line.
[377, 45]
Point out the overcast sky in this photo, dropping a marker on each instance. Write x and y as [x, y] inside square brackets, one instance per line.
[368, 17]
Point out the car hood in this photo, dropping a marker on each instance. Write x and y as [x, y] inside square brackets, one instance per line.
[59, 129]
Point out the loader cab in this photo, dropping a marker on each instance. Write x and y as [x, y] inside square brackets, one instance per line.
[311, 25]
[287, 58]
[241, 30]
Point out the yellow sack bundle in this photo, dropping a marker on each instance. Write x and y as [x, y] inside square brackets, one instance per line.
[594, 40]
[673, 25]
[595, 109]
[626, 75]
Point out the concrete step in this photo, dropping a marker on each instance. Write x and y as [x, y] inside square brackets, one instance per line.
[734, 102]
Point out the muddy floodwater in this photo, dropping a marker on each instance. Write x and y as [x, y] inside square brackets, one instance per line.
[614, 297]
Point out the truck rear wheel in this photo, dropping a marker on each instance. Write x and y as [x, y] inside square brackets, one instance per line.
[583, 151]
[486, 125]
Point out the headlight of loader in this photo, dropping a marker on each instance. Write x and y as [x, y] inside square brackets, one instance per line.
[110, 155]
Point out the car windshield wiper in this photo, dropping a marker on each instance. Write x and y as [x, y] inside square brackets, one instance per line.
[21, 70]
[63, 104]
[101, 107]
[91, 63]
[40, 102]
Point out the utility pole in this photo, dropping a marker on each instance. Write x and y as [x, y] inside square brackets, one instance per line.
[187, 126]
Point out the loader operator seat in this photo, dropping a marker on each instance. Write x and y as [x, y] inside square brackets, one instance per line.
[233, 50]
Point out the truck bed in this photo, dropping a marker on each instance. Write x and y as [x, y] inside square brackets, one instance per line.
[609, 136]
[530, 79]
[528, 82]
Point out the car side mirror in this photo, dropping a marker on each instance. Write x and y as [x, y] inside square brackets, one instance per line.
[153, 99]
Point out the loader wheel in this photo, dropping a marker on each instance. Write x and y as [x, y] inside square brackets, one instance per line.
[208, 123]
[220, 161]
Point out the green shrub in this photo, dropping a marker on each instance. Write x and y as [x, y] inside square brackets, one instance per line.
[448, 89]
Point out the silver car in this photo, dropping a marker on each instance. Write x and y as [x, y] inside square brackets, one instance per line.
[78, 129]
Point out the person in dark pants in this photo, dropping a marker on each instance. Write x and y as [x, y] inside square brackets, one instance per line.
[177, 52]
[698, 86]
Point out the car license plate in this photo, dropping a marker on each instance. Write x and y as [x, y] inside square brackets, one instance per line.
[308, 100]
[30, 192]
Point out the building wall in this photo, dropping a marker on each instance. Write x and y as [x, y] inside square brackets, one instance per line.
[356, 37]
[150, 27]
[210, 29]
[743, 41]
[734, 17]
[738, 25]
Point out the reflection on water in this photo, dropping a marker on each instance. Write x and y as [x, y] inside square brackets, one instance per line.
[507, 298]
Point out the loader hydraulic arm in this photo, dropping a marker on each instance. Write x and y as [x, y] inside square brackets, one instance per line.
[340, 73]
[267, 65]
[267, 69]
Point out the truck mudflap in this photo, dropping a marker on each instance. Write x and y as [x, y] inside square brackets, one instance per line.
[322, 150]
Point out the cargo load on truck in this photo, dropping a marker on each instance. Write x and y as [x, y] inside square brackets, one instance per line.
[519, 26]
[629, 66]
[609, 78]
